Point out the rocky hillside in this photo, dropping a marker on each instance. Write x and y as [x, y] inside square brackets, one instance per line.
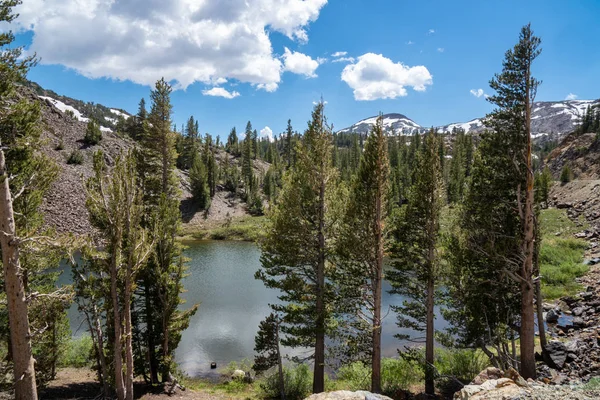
[63, 133]
[64, 125]
[581, 153]
[550, 120]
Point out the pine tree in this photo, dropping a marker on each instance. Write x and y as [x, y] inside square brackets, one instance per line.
[93, 134]
[255, 154]
[115, 205]
[415, 271]
[18, 122]
[267, 347]
[297, 248]
[232, 143]
[289, 133]
[247, 172]
[362, 242]
[199, 183]
[515, 92]
[161, 280]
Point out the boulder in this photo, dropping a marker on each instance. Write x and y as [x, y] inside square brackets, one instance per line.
[487, 374]
[347, 395]
[555, 355]
[496, 389]
[238, 374]
[551, 317]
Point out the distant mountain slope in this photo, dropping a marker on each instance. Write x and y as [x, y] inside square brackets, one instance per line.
[549, 118]
[392, 122]
[64, 122]
[82, 111]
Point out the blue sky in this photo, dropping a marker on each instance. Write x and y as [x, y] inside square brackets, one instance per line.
[418, 58]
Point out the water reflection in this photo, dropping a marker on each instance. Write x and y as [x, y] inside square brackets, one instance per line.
[232, 304]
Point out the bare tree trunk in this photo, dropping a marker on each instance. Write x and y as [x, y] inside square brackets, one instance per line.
[540, 314]
[429, 343]
[118, 350]
[280, 363]
[150, 333]
[20, 335]
[128, 334]
[166, 374]
[319, 369]
[100, 339]
[527, 334]
[376, 351]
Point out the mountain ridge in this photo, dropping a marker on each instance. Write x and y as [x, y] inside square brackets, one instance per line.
[549, 118]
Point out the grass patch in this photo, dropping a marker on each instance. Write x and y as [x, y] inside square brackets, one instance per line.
[247, 229]
[78, 353]
[561, 255]
[592, 385]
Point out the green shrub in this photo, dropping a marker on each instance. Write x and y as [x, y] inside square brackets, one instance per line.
[93, 134]
[355, 376]
[60, 145]
[463, 364]
[399, 374]
[566, 175]
[75, 158]
[78, 353]
[297, 382]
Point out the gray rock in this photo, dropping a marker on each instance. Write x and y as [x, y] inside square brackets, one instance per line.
[551, 316]
[578, 311]
[347, 395]
[578, 322]
[555, 355]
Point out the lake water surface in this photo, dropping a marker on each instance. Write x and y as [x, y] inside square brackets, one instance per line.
[232, 304]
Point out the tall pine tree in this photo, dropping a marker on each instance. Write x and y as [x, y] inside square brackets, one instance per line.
[415, 271]
[297, 250]
[363, 239]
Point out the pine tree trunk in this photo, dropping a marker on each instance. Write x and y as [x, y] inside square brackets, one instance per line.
[128, 334]
[166, 373]
[429, 343]
[319, 371]
[527, 334]
[118, 350]
[540, 314]
[376, 351]
[103, 366]
[20, 335]
[150, 333]
[280, 364]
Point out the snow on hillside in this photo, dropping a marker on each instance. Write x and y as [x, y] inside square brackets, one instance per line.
[397, 123]
[549, 118]
[63, 107]
[472, 125]
[119, 113]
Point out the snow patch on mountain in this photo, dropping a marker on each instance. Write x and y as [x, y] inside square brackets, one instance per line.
[63, 107]
[549, 119]
[119, 113]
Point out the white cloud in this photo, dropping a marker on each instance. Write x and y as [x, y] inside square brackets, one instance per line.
[299, 63]
[267, 133]
[431, 32]
[185, 41]
[410, 43]
[571, 96]
[220, 92]
[339, 54]
[477, 92]
[344, 59]
[377, 77]
[440, 49]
